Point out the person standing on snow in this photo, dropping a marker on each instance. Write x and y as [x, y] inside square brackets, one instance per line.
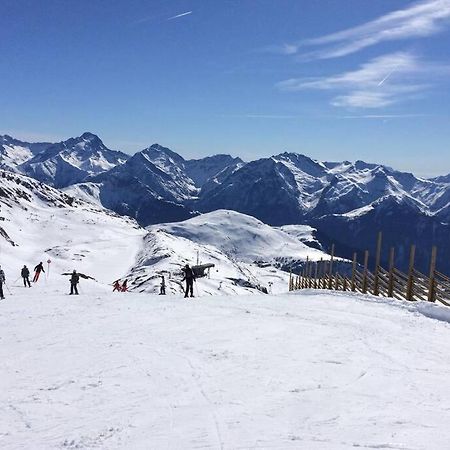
[189, 277]
[25, 273]
[2, 280]
[162, 289]
[37, 271]
[74, 280]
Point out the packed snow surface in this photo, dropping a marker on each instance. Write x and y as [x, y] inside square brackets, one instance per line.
[309, 370]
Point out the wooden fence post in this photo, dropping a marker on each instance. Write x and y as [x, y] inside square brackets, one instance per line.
[319, 281]
[432, 286]
[324, 274]
[366, 264]
[310, 275]
[290, 280]
[391, 272]
[355, 256]
[330, 271]
[305, 277]
[410, 284]
[316, 270]
[376, 283]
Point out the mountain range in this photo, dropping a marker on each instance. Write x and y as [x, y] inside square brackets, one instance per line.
[346, 202]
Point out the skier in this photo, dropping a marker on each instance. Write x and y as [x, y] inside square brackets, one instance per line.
[162, 290]
[74, 280]
[37, 271]
[189, 277]
[26, 276]
[116, 285]
[124, 287]
[2, 280]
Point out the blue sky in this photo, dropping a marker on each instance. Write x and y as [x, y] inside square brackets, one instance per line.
[335, 79]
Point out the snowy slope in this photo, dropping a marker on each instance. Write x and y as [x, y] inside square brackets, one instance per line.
[38, 223]
[306, 371]
[246, 254]
[242, 237]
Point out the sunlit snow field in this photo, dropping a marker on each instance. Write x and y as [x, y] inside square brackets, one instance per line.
[295, 371]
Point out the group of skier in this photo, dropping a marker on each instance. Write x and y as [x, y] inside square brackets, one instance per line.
[120, 287]
[25, 274]
[188, 276]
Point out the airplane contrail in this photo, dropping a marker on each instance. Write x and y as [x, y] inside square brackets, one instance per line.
[180, 15]
[387, 76]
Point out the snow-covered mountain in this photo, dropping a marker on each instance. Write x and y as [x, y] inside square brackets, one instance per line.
[150, 186]
[158, 185]
[40, 223]
[14, 152]
[72, 161]
[155, 185]
[247, 254]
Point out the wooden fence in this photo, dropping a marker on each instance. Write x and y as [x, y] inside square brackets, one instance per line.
[390, 282]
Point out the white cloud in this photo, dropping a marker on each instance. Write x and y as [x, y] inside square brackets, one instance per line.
[420, 19]
[381, 82]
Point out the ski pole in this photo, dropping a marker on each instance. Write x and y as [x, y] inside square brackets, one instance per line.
[7, 288]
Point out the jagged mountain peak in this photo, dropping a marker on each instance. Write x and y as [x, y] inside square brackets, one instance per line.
[4, 138]
[87, 142]
[72, 161]
[159, 152]
[87, 135]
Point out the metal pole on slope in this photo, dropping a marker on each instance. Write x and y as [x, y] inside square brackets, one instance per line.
[7, 288]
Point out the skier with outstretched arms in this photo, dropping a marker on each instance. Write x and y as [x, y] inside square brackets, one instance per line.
[74, 280]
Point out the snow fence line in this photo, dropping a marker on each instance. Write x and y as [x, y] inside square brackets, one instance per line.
[427, 309]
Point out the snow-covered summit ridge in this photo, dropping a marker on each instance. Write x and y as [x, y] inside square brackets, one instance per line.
[14, 152]
[247, 254]
[242, 237]
[72, 161]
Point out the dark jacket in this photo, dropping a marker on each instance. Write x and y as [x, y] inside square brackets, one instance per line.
[25, 272]
[188, 274]
[39, 268]
[2, 276]
[75, 278]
